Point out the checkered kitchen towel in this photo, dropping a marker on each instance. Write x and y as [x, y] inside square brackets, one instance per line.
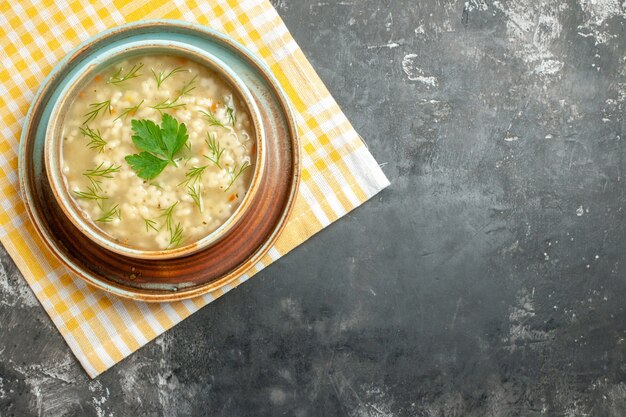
[338, 172]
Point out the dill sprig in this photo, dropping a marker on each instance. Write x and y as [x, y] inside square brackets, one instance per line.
[236, 173]
[100, 171]
[96, 108]
[195, 192]
[162, 76]
[150, 224]
[176, 236]
[168, 104]
[109, 215]
[95, 175]
[95, 138]
[188, 87]
[212, 118]
[118, 77]
[168, 214]
[231, 116]
[176, 232]
[90, 194]
[215, 148]
[129, 111]
[194, 175]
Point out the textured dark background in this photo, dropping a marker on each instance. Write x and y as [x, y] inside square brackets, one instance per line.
[487, 280]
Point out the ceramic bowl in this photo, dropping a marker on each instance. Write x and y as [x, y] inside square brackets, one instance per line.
[202, 270]
[76, 83]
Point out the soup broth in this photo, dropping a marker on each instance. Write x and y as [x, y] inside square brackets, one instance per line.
[158, 151]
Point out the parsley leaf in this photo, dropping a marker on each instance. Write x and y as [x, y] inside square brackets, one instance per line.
[146, 165]
[147, 136]
[174, 135]
[159, 145]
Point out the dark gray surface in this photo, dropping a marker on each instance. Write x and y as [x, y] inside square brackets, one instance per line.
[488, 280]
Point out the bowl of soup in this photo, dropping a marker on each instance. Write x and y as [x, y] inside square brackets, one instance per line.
[154, 150]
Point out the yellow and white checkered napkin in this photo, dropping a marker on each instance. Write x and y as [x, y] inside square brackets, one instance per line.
[338, 172]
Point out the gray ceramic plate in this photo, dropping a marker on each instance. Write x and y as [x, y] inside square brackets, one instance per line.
[203, 271]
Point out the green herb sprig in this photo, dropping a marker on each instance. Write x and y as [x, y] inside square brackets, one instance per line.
[188, 87]
[231, 115]
[96, 108]
[95, 138]
[194, 175]
[129, 111]
[168, 104]
[90, 194]
[111, 214]
[118, 77]
[162, 76]
[96, 175]
[150, 224]
[176, 236]
[212, 119]
[236, 173]
[195, 192]
[168, 216]
[215, 148]
[176, 232]
[160, 145]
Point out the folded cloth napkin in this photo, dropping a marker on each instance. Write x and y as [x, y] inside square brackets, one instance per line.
[338, 172]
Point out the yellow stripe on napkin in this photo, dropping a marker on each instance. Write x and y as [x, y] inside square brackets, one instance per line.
[338, 172]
